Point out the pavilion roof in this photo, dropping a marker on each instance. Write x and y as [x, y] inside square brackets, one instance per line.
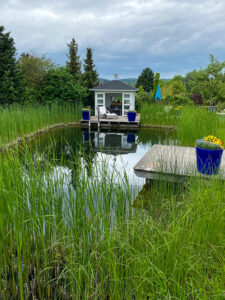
[114, 85]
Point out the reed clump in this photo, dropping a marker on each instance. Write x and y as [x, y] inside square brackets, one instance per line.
[158, 114]
[68, 233]
[16, 121]
[191, 122]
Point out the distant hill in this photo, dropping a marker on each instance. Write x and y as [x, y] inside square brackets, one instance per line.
[103, 80]
[129, 81]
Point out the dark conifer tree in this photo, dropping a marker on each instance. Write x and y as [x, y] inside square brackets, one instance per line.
[90, 75]
[146, 79]
[9, 75]
[73, 63]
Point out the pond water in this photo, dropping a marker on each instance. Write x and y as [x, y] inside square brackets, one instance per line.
[118, 150]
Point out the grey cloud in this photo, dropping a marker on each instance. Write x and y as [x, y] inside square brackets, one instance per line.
[171, 36]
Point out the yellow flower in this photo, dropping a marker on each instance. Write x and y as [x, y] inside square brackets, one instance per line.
[214, 140]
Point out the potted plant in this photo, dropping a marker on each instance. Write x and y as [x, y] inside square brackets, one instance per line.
[131, 115]
[178, 109]
[86, 114]
[209, 152]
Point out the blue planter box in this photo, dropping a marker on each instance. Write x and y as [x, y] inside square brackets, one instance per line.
[86, 115]
[131, 116]
[208, 161]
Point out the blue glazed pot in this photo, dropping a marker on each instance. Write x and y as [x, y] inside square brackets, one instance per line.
[86, 115]
[131, 138]
[208, 161]
[131, 116]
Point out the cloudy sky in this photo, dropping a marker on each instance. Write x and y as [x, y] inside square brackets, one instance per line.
[169, 36]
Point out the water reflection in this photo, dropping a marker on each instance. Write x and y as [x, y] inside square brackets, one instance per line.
[114, 143]
[119, 150]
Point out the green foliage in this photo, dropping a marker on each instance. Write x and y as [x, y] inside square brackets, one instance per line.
[196, 123]
[146, 79]
[17, 120]
[73, 64]
[209, 81]
[221, 107]
[174, 248]
[143, 97]
[206, 145]
[158, 114]
[31, 95]
[156, 83]
[90, 76]
[9, 76]
[33, 69]
[178, 100]
[58, 86]
[177, 85]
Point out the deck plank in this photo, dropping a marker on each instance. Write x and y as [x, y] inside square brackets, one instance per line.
[120, 122]
[171, 163]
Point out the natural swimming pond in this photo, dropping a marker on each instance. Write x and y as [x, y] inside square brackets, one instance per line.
[70, 214]
[115, 152]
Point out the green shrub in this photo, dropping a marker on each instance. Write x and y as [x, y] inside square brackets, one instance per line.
[178, 100]
[143, 98]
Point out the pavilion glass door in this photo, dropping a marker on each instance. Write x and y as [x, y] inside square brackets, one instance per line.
[126, 103]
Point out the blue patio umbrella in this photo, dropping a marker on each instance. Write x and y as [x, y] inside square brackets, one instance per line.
[158, 94]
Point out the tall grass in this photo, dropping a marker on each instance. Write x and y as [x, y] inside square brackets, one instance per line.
[196, 123]
[17, 121]
[192, 123]
[64, 235]
[158, 115]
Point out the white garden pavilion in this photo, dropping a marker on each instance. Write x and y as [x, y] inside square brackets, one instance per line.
[107, 92]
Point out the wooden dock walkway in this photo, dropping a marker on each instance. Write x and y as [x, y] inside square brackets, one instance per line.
[171, 163]
[121, 122]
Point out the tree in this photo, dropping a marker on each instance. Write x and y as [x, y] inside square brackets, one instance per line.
[146, 79]
[209, 81]
[156, 83]
[58, 86]
[74, 64]
[34, 68]
[9, 75]
[177, 86]
[90, 76]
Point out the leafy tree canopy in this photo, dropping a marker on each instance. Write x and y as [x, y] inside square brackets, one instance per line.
[208, 81]
[33, 69]
[58, 86]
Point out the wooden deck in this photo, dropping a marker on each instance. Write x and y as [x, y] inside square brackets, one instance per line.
[121, 122]
[172, 163]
